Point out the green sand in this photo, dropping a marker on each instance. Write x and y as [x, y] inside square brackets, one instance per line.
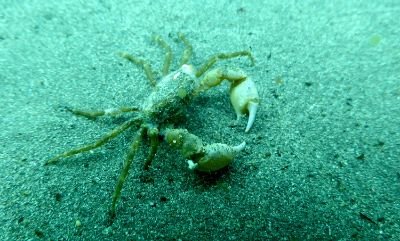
[322, 160]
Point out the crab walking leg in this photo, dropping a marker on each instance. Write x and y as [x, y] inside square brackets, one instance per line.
[210, 62]
[243, 92]
[146, 66]
[103, 140]
[206, 158]
[125, 170]
[94, 114]
[153, 135]
[187, 53]
[168, 55]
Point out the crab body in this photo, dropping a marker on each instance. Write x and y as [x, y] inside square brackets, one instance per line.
[156, 115]
[170, 96]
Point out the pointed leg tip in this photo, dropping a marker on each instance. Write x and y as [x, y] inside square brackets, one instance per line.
[50, 161]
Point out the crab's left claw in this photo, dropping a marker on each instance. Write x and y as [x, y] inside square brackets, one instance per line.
[245, 100]
[216, 156]
[205, 158]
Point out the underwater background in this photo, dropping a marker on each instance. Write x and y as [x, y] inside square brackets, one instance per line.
[322, 161]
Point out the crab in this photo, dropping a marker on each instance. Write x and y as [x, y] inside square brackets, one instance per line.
[155, 117]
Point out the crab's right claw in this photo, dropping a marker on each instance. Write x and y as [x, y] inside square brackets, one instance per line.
[245, 100]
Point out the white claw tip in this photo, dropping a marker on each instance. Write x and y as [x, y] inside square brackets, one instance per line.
[252, 108]
[240, 147]
[192, 165]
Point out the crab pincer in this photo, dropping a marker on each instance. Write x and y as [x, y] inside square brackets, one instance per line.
[243, 92]
[245, 100]
[205, 158]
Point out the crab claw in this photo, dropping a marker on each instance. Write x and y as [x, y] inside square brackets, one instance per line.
[216, 156]
[206, 158]
[245, 100]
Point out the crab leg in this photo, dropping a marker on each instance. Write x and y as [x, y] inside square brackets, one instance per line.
[187, 53]
[94, 114]
[146, 66]
[210, 62]
[125, 170]
[153, 134]
[103, 140]
[243, 91]
[168, 54]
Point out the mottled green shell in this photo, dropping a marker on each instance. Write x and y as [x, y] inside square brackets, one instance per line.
[170, 97]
